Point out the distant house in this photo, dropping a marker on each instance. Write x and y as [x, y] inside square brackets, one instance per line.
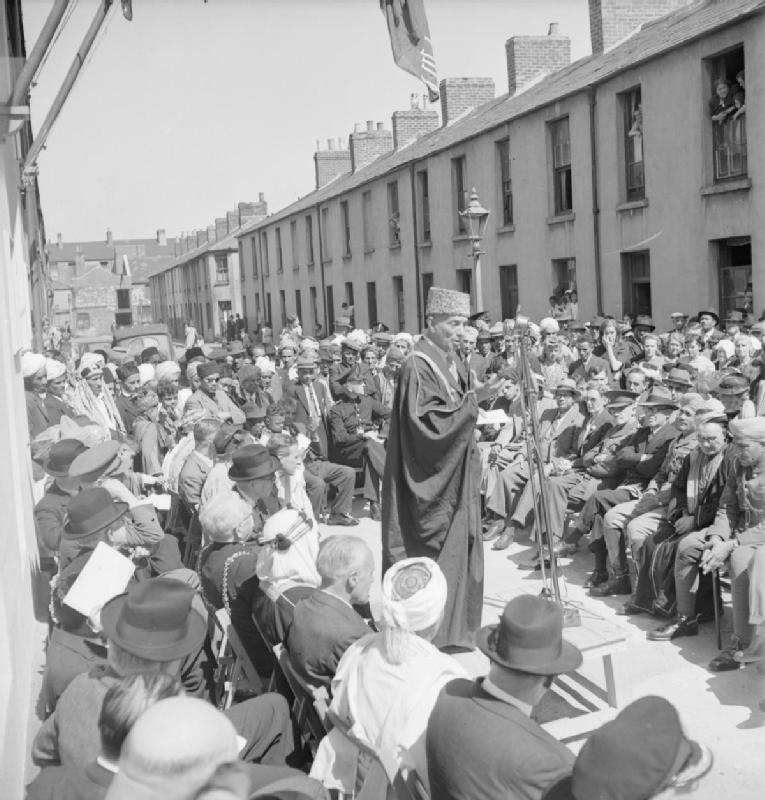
[95, 286]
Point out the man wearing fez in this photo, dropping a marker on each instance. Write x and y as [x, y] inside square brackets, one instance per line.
[431, 498]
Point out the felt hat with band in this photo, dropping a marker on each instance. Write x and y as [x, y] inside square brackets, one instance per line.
[91, 511]
[620, 398]
[92, 463]
[251, 462]
[679, 377]
[155, 620]
[61, 455]
[529, 638]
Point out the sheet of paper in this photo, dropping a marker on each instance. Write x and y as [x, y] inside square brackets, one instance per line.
[104, 576]
[160, 501]
[494, 417]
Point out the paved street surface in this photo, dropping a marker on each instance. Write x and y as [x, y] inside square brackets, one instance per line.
[725, 710]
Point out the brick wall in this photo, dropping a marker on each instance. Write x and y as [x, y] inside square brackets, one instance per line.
[612, 20]
[232, 220]
[530, 56]
[221, 227]
[411, 124]
[366, 146]
[461, 94]
[330, 163]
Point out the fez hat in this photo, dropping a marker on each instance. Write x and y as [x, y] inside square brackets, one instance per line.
[207, 369]
[91, 511]
[252, 461]
[154, 620]
[192, 353]
[637, 755]
[529, 638]
[93, 462]
[447, 301]
[61, 455]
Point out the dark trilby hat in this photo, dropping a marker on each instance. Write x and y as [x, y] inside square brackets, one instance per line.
[154, 620]
[61, 455]
[620, 398]
[679, 377]
[252, 461]
[93, 462]
[710, 312]
[529, 638]
[659, 398]
[91, 511]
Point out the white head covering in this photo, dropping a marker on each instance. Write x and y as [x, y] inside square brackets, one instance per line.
[90, 362]
[281, 567]
[54, 369]
[549, 325]
[265, 365]
[413, 594]
[727, 346]
[32, 363]
[146, 373]
[167, 371]
[358, 336]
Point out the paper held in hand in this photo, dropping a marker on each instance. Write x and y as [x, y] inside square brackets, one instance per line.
[104, 576]
[494, 417]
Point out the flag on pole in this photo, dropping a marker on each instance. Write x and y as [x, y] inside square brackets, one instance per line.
[410, 41]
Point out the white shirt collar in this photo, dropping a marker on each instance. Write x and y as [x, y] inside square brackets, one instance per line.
[337, 597]
[495, 691]
[106, 764]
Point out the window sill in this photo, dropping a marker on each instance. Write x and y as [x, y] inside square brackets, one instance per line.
[632, 205]
[734, 185]
[219, 283]
[368, 251]
[569, 216]
[509, 228]
[347, 257]
[394, 246]
[296, 268]
[326, 262]
[310, 265]
[425, 245]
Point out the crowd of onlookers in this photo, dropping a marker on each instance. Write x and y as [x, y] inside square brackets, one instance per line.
[201, 487]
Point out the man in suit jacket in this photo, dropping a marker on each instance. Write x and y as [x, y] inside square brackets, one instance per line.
[312, 404]
[579, 370]
[481, 740]
[211, 399]
[325, 624]
[558, 433]
[199, 462]
[354, 426]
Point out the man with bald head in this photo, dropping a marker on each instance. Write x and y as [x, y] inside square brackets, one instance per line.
[326, 624]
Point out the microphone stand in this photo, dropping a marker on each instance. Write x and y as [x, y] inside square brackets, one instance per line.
[538, 479]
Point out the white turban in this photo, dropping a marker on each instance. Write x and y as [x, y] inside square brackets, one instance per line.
[549, 325]
[413, 595]
[32, 363]
[146, 373]
[358, 336]
[265, 365]
[191, 370]
[727, 346]
[54, 369]
[403, 336]
[167, 371]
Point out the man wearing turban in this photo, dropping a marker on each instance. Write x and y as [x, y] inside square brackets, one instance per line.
[431, 498]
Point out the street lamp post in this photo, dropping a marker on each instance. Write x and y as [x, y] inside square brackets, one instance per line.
[477, 217]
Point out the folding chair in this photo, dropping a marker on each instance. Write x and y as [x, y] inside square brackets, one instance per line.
[234, 670]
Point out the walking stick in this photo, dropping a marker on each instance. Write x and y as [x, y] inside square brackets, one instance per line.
[715, 600]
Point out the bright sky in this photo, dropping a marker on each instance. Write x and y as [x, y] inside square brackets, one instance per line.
[194, 106]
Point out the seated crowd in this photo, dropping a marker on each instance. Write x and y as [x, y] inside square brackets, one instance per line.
[212, 478]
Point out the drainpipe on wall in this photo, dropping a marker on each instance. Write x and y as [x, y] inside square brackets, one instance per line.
[595, 202]
[416, 248]
[327, 331]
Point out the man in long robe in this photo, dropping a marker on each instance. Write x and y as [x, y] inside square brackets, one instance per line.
[431, 497]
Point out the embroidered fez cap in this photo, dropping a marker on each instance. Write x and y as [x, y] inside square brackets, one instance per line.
[447, 301]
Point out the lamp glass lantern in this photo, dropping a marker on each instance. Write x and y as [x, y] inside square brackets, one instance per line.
[477, 218]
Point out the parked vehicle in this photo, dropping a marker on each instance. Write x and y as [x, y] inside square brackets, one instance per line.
[136, 338]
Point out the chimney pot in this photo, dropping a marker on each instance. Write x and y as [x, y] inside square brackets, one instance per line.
[318, 145]
[330, 144]
[59, 240]
[109, 236]
[357, 128]
[414, 101]
[380, 126]
[370, 125]
[425, 101]
[161, 237]
[261, 197]
[553, 29]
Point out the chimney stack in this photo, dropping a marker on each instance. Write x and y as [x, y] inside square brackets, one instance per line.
[221, 227]
[412, 123]
[109, 237]
[330, 163]
[161, 237]
[459, 95]
[366, 146]
[59, 240]
[249, 212]
[211, 233]
[529, 57]
[232, 220]
[614, 20]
